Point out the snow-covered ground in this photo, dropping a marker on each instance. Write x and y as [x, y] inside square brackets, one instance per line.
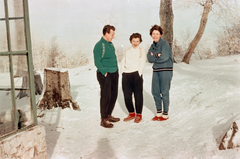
[205, 97]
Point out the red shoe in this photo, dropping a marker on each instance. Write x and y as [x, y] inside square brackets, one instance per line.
[162, 118]
[155, 118]
[138, 118]
[131, 116]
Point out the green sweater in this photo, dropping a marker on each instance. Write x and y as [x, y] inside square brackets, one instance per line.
[104, 57]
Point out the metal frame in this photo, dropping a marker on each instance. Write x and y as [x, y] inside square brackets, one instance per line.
[28, 53]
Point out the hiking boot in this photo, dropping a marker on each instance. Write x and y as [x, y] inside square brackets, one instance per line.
[105, 123]
[131, 116]
[112, 119]
[138, 118]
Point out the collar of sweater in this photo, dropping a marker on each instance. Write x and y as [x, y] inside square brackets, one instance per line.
[158, 43]
[138, 47]
[105, 41]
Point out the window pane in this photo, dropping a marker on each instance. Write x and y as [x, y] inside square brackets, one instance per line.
[5, 72]
[7, 120]
[2, 10]
[15, 8]
[21, 81]
[17, 33]
[3, 37]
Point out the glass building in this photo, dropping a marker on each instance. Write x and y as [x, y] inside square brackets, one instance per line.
[16, 69]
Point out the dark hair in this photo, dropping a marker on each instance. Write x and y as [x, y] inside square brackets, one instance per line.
[107, 28]
[135, 35]
[156, 27]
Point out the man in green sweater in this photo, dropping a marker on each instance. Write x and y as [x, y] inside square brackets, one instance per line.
[107, 75]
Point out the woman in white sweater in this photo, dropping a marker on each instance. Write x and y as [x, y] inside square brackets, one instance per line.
[132, 66]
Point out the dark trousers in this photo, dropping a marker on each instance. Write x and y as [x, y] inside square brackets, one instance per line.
[109, 92]
[132, 83]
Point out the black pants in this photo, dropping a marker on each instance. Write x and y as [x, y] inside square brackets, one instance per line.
[133, 83]
[109, 92]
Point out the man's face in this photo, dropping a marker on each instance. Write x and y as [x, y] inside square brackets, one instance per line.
[110, 36]
[135, 42]
[156, 35]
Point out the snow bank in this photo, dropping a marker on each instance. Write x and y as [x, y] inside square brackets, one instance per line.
[205, 97]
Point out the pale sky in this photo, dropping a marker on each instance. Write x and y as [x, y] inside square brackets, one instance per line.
[78, 24]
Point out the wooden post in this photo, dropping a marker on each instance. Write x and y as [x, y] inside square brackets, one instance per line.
[57, 90]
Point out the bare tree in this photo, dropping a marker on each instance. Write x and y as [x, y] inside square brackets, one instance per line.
[166, 20]
[223, 9]
[177, 50]
[185, 36]
[109, 18]
[229, 39]
[207, 8]
[40, 52]
[54, 51]
[180, 43]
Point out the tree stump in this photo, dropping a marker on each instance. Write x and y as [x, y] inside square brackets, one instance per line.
[232, 137]
[57, 90]
[25, 85]
[38, 84]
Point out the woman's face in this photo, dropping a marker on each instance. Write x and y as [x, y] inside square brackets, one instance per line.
[135, 42]
[156, 35]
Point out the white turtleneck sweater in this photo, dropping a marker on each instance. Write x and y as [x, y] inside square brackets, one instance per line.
[134, 59]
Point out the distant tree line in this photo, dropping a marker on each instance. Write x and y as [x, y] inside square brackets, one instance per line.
[52, 56]
[229, 40]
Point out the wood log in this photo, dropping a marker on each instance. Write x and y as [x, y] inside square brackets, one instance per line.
[57, 90]
[232, 137]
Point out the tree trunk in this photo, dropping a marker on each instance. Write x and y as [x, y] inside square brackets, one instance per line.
[57, 90]
[207, 8]
[25, 85]
[166, 21]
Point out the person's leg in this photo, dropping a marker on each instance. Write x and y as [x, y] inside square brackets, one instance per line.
[156, 90]
[166, 77]
[138, 96]
[104, 99]
[114, 94]
[138, 92]
[127, 87]
[114, 91]
[105, 94]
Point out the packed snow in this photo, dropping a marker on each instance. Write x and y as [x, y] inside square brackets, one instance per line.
[204, 102]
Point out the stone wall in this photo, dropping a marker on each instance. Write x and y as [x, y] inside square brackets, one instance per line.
[30, 144]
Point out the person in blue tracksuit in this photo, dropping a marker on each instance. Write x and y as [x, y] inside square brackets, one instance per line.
[160, 55]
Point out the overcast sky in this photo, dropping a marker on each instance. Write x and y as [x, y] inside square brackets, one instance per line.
[78, 24]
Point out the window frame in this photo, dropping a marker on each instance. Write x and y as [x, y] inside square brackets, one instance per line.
[28, 54]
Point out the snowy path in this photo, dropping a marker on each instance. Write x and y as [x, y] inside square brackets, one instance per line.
[205, 97]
